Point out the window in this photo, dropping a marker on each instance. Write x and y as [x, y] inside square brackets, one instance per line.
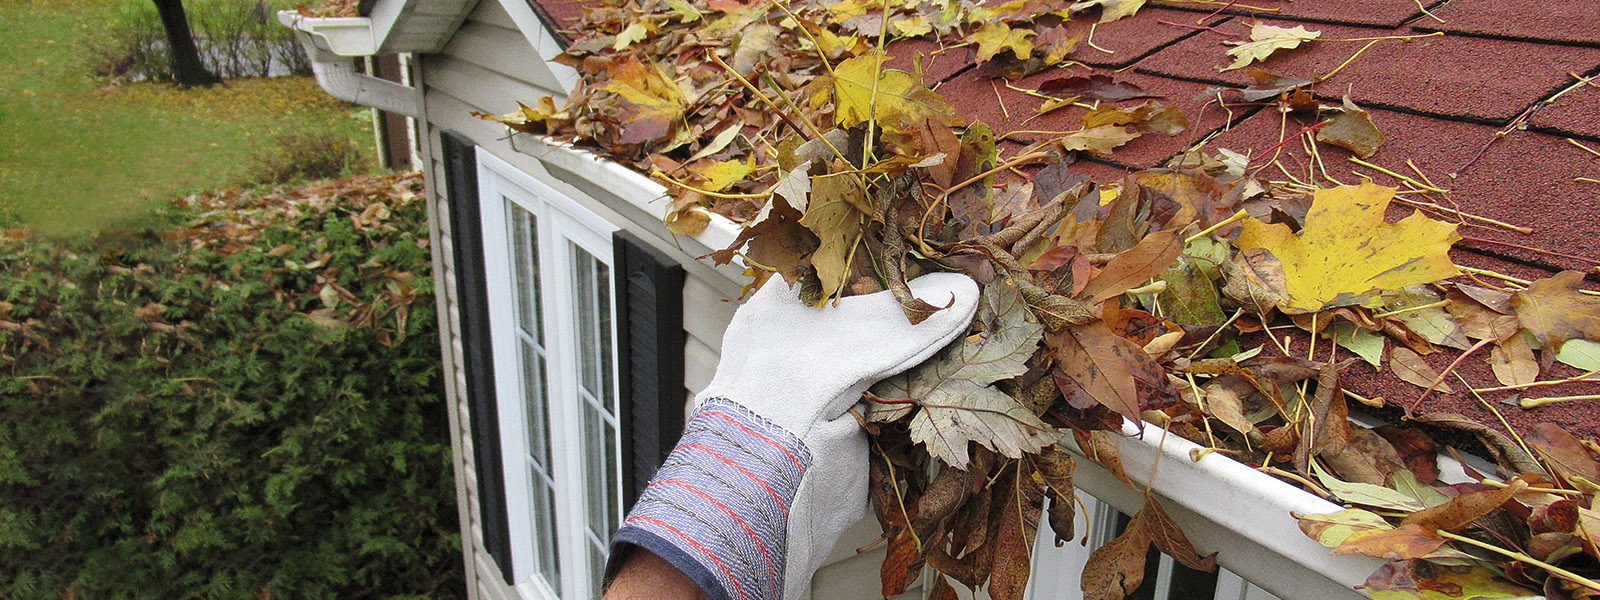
[548, 271]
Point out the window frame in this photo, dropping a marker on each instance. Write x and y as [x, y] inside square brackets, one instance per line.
[563, 227]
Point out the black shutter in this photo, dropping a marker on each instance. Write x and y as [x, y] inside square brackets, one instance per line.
[472, 296]
[650, 325]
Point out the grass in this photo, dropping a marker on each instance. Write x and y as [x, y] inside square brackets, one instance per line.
[78, 155]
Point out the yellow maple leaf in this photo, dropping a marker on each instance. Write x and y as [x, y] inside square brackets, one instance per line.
[1266, 39]
[900, 102]
[719, 174]
[995, 38]
[655, 102]
[1346, 250]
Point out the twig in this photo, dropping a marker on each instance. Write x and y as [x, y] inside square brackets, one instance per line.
[1503, 423]
[1411, 410]
[1236, 314]
[1381, 38]
[1574, 379]
[1542, 490]
[1520, 557]
[1196, 27]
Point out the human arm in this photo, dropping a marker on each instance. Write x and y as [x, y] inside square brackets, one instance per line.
[771, 467]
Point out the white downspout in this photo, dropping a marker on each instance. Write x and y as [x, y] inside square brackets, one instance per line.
[334, 45]
[341, 80]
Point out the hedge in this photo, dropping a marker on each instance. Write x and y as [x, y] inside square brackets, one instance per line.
[246, 405]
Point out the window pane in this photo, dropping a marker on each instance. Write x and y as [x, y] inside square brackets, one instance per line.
[594, 325]
[602, 473]
[525, 232]
[544, 532]
[537, 406]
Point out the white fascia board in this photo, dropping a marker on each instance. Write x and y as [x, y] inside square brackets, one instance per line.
[638, 191]
[1224, 506]
[543, 41]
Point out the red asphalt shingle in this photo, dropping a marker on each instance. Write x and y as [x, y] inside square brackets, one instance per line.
[1575, 113]
[1131, 38]
[1557, 21]
[1452, 76]
[1384, 13]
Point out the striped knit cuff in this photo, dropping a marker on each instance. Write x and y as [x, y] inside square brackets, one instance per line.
[718, 510]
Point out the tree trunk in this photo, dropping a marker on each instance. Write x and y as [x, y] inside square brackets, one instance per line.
[186, 65]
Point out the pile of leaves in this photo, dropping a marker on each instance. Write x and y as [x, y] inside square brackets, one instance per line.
[244, 403]
[1161, 298]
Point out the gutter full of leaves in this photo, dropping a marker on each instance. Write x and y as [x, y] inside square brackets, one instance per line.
[1162, 298]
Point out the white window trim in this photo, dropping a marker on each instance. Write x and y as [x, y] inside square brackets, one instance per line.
[561, 218]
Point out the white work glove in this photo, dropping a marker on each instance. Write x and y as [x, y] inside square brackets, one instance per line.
[771, 468]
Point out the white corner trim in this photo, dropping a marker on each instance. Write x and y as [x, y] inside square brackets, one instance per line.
[543, 41]
[632, 187]
[1233, 501]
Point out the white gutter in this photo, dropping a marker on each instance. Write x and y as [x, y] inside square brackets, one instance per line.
[334, 45]
[1244, 515]
[638, 191]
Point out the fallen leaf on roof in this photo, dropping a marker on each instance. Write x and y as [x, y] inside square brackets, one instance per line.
[1266, 39]
[1554, 311]
[1150, 116]
[1110, 10]
[717, 175]
[900, 101]
[1352, 130]
[1098, 140]
[995, 38]
[1346, 251]
[1266, 85]
[832, 216]
[1410, 367]
[1095, 87]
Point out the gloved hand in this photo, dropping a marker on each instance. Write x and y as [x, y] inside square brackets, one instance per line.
[771, 469]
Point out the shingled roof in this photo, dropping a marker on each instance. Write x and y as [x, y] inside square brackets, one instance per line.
[1496, 107]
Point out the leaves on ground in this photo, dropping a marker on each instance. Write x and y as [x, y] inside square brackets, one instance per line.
[1353, 130]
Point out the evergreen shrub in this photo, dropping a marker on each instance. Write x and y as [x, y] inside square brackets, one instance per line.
[248, 405]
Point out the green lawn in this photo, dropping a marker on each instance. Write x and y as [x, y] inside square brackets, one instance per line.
[77, 154]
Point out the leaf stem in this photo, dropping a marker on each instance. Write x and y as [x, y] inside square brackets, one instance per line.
[1517, 280]
[1286, 140]
[1419, 185]
[1520, 557]
[1413, 308]
[1528, 403]
[1530, 249]
[1381, 38]
[668, 178]
[1237, 216]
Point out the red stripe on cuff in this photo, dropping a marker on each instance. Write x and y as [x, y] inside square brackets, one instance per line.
[771, 570]
[702, 549]
[758, 435]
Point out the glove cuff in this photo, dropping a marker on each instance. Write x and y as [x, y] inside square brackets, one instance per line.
[718, 510]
